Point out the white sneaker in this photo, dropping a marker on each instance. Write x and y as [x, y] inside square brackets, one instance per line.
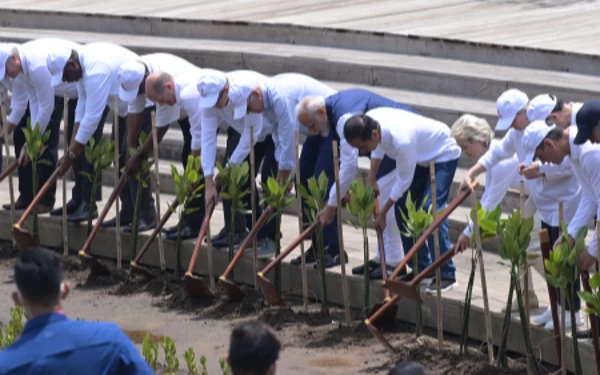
[543, 318]
[266, 249]
[578, 320]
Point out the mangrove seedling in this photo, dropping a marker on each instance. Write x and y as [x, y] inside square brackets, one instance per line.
[315, 197]
[516, 236]
[362, 205]
[34, 148]
[171, 360]
[231, 180]
[592, 298]
[190, 360]
[275, 195]
[489, 228]
[142, 177]
[150, 351]
[187, 188]
[14, 328]
[203, 365]
[224, 367]
[562, 274]
[416, 220]
[100, 155]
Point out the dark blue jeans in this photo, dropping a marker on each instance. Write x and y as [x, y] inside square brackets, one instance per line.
[421, 188]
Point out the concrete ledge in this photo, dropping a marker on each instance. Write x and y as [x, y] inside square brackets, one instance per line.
[450, 48]
[103, 246]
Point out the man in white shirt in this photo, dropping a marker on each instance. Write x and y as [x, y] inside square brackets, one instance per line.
[553, 145]
[544, 181]
[221, 97]
[132, 77]
[94, 67]
[410, 139]
[32, 88]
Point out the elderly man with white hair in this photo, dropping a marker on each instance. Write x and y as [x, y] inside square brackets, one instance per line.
[32, 89]
[544, 181]
[94, 67]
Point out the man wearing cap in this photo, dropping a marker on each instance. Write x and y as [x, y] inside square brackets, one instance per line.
[588, 123]
[563, 114]
[544, 181]
[223, 99]
[32, 88]
[132, 78]
[94, 67]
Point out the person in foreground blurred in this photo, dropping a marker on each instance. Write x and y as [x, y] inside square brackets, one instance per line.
[408, 368]
[51, 343]
[253, 349]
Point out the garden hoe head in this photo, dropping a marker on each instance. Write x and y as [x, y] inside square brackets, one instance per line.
[135, 266]
[379, 336]
[194, 285]
[92, 263]
[269, 292]
[23, 238]
[231, 289]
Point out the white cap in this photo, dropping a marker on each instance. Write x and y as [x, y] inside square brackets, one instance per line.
[130, 76]
[56, 61]
[238, 95]
[541, 107]
[532, 137]
[5, 52]
[508, 105]
[207, 89]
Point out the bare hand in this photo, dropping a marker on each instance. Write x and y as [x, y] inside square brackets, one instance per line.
[23, 157]
[210, 195]
[463, 243]
[380, 222]
[466, 184]
[346, 199]
[133, 165]
[557, 242]
[531, 172]
[64, 164]
[326, 215]
[375, 187]
[586, 261]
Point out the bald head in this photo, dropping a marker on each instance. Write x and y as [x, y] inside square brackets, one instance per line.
[312, 114]
[160, 88]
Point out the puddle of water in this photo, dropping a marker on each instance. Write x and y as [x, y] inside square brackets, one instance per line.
[330, 362]
[137, 336]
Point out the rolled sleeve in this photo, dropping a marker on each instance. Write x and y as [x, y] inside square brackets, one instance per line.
[377, 154]
[348, 171]
[168, 114]
[556, 171]
[138, 105]
[208, 141]
[44, 92]
[97, 88]
[242, 150]
[499, 151]
[18, 102]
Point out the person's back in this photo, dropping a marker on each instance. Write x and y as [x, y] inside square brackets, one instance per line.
[408, 368]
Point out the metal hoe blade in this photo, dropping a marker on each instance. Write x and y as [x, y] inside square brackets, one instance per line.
[140, 270]
[403, 289]
[233, 291]
[379, 336]
[23, 238]
[269, 292]
[196, 287]
[94, 265]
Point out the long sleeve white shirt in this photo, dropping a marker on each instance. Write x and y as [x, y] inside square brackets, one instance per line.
[281, 94]
[99, 85]
[411, 140]
[585, 160]
[213, 117]
[559, 180]
[175, 66]
[35, 86]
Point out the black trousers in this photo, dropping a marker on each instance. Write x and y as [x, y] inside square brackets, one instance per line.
[128, 194]
[553, 233]
[51, 154]
[264, 152]
[82, 190]
[193, 219]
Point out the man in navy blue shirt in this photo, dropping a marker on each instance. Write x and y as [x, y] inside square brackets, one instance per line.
[51, 343]
[321, 115]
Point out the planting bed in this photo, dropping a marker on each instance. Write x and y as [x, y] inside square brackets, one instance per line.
[313, 343]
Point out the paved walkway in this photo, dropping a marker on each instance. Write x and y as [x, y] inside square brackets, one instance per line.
[567, 25]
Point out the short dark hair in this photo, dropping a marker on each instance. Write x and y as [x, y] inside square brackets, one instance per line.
[38, 274]
[409, 368]
[253, 348]
[554, 134]
[559, 105]
[360, 126]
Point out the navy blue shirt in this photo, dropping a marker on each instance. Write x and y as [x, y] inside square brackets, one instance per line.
[54, 344]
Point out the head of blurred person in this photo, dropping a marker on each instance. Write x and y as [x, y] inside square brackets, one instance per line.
[253, 349]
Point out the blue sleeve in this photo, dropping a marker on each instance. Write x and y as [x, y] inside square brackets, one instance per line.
[129, 360]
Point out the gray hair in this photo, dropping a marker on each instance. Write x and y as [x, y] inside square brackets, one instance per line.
[469, 128]
[309, 105]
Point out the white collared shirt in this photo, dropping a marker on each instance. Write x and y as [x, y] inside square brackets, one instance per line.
[575, 107]
[99, 85]
[34, 82]
[411, 140]
[559, 180]
[281, 94]
[175, 66]
[213, 117]
[585, 160]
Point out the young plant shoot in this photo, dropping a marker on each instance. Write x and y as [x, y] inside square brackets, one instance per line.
[274, 195]
[187, 188]
[316, 199]
[362, 205]
[150, 351]
[416, 220]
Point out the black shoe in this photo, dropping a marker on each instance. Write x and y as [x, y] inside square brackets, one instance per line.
[360, 270]
[331, 260]
[170, 230]
[223, 235]
[376, 274]
[309, 256]
[222, 242]
[81, 214]
[446, 285]
[187, 232]
[113, 222]
[426, 281]
[143, 225]
[72, 205]
[19, 205]
[587, 334]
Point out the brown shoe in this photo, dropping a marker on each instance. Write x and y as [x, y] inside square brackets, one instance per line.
[19, 205]
[41, 209]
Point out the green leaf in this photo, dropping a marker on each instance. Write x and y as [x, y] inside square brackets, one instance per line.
[595, 281]
[553, 280]
[45, 162]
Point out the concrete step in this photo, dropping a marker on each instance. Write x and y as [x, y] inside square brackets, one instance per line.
[407, 72]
